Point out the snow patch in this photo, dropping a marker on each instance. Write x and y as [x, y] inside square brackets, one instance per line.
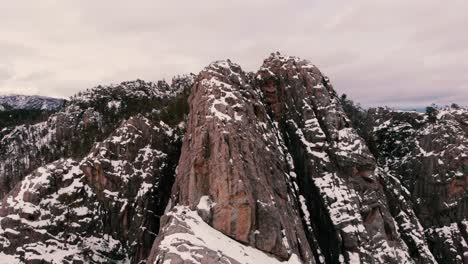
[200, 235]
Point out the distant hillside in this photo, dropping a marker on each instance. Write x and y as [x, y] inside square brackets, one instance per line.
[28, 102]
[23, 109]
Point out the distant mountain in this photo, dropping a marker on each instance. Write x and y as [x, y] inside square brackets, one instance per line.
[24, 109]
[414, 109]
[28, 102]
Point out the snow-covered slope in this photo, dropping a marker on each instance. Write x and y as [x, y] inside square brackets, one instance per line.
[189, 239]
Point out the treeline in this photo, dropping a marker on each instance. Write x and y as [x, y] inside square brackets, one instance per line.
[15, 117]
[361, 120]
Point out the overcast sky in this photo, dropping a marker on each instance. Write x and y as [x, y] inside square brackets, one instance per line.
[398, 53]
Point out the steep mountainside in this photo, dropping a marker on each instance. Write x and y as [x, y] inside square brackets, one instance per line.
[428, 154]
[89, 117]
[234, 167]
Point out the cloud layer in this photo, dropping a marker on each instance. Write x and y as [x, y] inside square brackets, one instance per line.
[398, 53]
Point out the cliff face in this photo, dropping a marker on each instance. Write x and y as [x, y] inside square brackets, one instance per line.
[431, 165]
[336, 173]
[234, 167]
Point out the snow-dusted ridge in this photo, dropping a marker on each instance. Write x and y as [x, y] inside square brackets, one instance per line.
[30, 102]
[133, 89]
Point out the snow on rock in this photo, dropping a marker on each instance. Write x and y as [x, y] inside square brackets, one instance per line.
[86, 119]
[450, 241]
[205, 203]
[134, 89]
[408, 225]
[72, 211]
[114, 104]
[333, 165]
[240, 164]
[226, 101]
[189, 239]
[423, 161]
[43, 203]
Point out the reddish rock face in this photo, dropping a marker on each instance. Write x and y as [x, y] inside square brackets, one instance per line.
[232, 156]
[457, 187]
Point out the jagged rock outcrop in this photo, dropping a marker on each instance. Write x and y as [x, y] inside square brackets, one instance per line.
[104, 208]
[336, 173]
[234, 167]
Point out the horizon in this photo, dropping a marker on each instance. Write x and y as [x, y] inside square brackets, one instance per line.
[420, 108]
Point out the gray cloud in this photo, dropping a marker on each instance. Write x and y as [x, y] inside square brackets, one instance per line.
[401, 53]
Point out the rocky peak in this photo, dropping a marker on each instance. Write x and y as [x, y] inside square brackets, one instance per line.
[298, 86]
[221, 174]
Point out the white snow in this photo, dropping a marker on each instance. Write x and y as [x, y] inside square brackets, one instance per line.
[313, 148]
[205, 203]
[9, 259]
[200, 235]
[114, 104]
[305, 211]
[221, 94]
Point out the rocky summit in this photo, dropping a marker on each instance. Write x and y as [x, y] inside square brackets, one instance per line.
[235, 167]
